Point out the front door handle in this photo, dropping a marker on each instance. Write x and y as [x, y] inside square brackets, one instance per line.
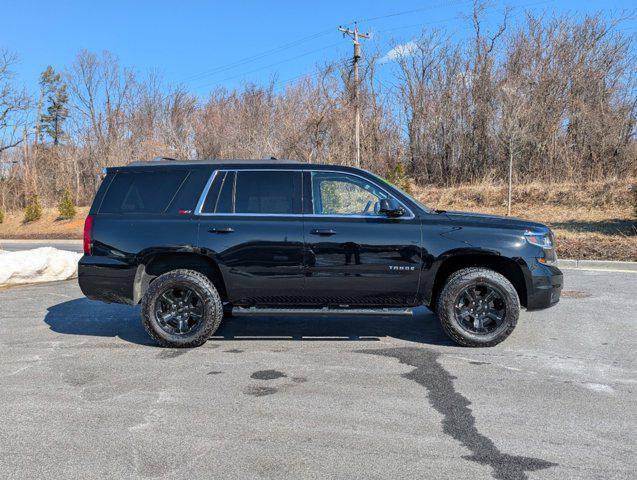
[221, 230]
[323, 232]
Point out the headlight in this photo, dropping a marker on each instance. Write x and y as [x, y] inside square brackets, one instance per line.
[546, 241]
[539, 239]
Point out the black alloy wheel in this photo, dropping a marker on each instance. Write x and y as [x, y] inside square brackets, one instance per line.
[480, 309]
[179, 310]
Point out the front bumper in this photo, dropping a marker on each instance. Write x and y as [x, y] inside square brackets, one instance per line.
[544, 285]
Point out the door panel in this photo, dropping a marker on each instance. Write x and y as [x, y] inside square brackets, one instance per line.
[356, 256]
[370, 262]
[261, 259]
[251, 224]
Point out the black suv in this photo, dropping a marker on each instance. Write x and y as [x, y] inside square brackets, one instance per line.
[194, 241]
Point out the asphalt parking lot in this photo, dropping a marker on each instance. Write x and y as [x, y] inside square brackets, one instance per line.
[85, 394]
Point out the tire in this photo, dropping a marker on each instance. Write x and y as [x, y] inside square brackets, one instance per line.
[208, 304]
[452, 296]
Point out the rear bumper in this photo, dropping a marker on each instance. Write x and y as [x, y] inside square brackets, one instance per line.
[106, 279]
[544, 285]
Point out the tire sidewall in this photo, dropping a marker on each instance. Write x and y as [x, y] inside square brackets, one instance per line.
[455, 285]
[212, 310]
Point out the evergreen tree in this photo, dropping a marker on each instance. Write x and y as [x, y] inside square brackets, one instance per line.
[54, 90]
[66, 206]
[33, 210]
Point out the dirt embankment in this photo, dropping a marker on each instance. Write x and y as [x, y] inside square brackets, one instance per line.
[49, 226]
[593, 220]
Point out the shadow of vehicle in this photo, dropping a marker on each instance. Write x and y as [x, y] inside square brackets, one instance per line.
[90, 318]
[86, 317]
[422, 327]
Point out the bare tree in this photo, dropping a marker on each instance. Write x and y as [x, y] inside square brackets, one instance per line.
[14, 104]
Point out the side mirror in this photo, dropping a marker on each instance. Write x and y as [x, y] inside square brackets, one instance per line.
[391, 208]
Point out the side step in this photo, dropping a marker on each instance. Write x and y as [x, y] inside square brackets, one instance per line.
[382, 312]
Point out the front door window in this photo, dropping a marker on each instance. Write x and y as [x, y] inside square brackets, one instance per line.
[343, 194]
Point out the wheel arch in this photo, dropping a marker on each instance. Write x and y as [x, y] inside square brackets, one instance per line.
[157, 264]
[505, 266]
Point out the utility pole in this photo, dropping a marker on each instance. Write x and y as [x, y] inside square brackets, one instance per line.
[510, 180]
[355, 35]
[25, 162]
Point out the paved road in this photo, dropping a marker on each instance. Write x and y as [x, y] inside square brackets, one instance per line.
[86, 395]
[16, 245]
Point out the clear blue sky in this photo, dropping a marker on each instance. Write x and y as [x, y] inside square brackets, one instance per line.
[185, 41]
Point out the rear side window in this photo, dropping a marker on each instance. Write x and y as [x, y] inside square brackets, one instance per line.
[255, 192]
[142, 192]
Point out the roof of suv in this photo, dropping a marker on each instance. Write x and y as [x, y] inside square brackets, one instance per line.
[230, 164]
[171, 161]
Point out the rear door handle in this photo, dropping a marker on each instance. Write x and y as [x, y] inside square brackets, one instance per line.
[221, 230]
[323, 232]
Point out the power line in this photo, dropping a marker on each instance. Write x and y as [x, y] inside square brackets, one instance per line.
[450, 19]
[305, 54]
[289, 81]
[286, 46]
[289, 45]
[312, 75]
[258, 56]
[415, 10]
[283, 83]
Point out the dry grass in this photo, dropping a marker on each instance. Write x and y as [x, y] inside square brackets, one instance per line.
[606, 194]
[592, 221]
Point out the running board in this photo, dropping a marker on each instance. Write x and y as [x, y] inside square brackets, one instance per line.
[382, 312]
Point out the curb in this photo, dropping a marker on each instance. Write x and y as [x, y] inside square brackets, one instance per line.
[597, 265]
[55, 241]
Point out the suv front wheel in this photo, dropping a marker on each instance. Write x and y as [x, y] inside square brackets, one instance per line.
[181, 309]
[478, 307]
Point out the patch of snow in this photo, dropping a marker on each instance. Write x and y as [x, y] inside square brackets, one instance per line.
[44, 264]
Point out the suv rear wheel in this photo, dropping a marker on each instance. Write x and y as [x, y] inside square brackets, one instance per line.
[181, 309]
[478, 307]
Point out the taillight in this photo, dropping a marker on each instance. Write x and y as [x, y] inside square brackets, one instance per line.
[88, 235]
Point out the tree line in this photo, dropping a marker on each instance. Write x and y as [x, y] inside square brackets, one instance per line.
[553, 98]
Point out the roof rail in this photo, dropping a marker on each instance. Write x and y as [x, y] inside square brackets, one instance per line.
[165, 161]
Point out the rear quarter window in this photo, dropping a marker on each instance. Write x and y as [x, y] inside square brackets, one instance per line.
[142, 192]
